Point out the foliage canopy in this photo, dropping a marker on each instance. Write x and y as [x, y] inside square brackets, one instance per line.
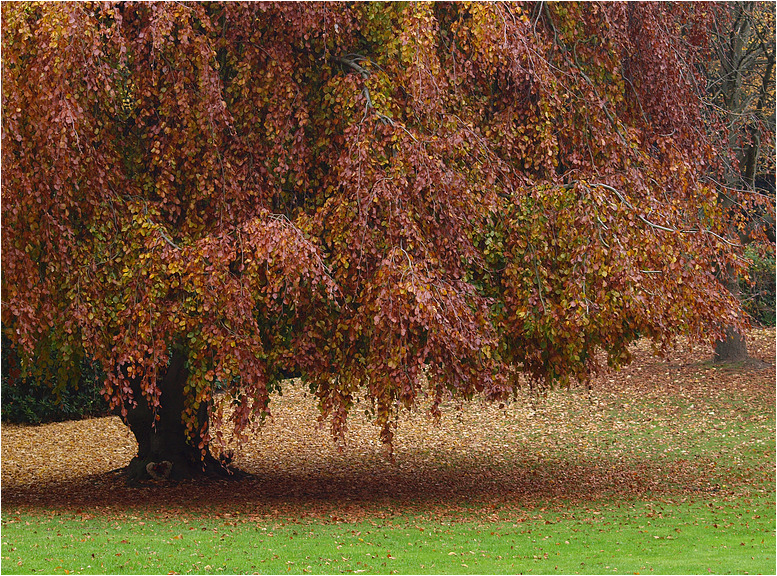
[388, 199]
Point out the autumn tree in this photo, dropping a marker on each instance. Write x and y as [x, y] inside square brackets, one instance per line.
[386, 200]
[742, 90]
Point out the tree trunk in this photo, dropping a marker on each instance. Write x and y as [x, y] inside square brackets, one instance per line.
[164, 450]
[733, 348]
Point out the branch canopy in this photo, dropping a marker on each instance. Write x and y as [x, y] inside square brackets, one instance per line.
[387, 199]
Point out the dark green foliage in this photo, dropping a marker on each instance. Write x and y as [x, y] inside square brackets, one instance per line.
[40, 397]
[758, 295]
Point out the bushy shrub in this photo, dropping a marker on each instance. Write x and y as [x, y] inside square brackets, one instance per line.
[40, 397]
[758, 292]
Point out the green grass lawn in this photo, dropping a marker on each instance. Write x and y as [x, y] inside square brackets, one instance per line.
[707, 535]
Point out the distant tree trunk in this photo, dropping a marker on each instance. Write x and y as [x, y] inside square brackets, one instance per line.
[164, 450]
[742, 75]
[733, 348]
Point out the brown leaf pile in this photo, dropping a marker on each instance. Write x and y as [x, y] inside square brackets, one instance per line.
[630, 436]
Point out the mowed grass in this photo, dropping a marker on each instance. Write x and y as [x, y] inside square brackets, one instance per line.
[666, 467]
[698, 537]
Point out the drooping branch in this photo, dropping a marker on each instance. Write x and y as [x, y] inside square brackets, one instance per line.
[650, 223]
[352, 61]
[167, 239]
[622, 198]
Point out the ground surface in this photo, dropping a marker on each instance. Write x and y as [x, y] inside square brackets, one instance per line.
[678, 427]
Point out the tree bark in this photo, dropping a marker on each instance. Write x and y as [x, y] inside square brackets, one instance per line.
[733, 348]
[164, 450]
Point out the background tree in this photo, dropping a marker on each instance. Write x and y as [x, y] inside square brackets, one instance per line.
[741, 86]
[388, 200]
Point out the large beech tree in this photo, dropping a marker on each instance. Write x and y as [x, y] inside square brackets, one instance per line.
[388, 200]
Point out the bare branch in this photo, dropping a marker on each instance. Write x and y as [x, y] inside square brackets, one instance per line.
[623, 200]
[166, 238]
[628, 204]
[353, 63]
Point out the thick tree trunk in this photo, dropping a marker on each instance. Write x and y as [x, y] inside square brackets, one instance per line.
[731, 349]
[164, 450]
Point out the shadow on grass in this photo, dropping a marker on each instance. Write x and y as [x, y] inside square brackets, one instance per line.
[404, 488]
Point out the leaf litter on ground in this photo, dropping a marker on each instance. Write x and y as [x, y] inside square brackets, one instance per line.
[666, 428]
